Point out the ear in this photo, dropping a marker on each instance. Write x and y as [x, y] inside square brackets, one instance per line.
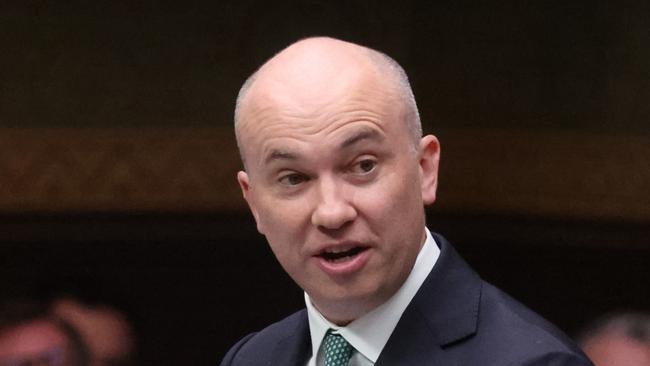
[246, 190]
[429, 160]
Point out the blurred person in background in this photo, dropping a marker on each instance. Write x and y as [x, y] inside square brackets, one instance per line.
[29, 336]
[104, 329]
[619, 339]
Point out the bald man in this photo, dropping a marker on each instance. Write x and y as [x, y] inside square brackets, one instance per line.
[337, 174]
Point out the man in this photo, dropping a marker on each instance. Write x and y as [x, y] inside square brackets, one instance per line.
[618, 340]
[29, 336]
[337, 174]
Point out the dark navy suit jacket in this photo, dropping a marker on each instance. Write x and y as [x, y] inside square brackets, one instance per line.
[455, 319]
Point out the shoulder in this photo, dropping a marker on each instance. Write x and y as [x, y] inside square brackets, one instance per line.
[257, 348]
[515, 332]
[475, 323]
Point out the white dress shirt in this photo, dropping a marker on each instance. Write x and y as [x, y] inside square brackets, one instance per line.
[369, 334]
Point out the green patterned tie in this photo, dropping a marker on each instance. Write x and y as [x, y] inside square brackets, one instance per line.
[337, 350]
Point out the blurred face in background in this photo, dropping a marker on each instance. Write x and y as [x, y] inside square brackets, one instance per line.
[104, 330]
[35, 343]
[617, 350]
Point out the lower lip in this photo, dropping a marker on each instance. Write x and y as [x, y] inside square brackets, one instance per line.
[346, 267]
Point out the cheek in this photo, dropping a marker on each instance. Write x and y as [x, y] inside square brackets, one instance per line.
[282, 224]
[394, 209]
[395, 196]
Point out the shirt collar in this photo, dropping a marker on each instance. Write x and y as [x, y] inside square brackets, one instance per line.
[369, 334]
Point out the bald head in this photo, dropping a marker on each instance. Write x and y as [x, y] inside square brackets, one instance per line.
[318, 70]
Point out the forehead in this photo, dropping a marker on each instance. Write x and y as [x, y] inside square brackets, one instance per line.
[319, 108]
[32, 337]
[275, 125]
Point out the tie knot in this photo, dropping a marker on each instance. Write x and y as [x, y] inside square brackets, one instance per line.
[337, 350]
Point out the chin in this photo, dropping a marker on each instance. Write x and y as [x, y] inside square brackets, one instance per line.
[347, 304]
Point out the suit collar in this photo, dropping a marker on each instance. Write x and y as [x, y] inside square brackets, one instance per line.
[295, 348]
[445, 310]
[451, 297]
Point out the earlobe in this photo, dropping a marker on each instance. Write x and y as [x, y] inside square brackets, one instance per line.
[429, 161]
[244, 184]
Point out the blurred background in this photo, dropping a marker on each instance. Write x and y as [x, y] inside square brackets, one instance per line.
[118, 161]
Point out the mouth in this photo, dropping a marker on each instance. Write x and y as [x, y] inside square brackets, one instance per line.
[337, 255]
[343, 260]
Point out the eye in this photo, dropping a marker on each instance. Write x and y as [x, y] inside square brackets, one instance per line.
[364, 166]
[293, 179]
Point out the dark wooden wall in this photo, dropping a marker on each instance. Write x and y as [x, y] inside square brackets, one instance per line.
[579, 65]
[117, 156]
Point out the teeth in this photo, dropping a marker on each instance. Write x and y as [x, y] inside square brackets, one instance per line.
[337, 250]
[341, 254]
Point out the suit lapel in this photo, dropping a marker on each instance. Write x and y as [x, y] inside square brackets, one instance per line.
[294, 349]
[444, 311]
[403, 347]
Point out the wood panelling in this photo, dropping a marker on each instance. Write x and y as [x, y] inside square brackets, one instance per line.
[61, 170]
[555, 174]
[566, 174]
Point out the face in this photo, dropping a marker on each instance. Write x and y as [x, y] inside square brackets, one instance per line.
[105, 331]
[337, 185]
[615, 350]
[38, 342]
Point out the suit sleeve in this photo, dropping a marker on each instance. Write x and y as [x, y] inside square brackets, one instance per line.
[560, 359]
[234, 350]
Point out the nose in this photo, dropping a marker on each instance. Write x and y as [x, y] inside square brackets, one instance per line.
[333, 207]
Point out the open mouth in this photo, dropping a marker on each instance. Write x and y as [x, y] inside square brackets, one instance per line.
[336, 256]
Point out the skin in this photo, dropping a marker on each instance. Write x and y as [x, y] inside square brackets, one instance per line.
[105, 331]
[617, 350]
[31, 341]
[331, 166]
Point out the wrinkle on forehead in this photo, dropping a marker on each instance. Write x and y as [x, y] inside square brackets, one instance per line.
[361, 104]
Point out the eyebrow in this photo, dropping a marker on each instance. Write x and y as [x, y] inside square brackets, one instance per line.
[364, 134]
